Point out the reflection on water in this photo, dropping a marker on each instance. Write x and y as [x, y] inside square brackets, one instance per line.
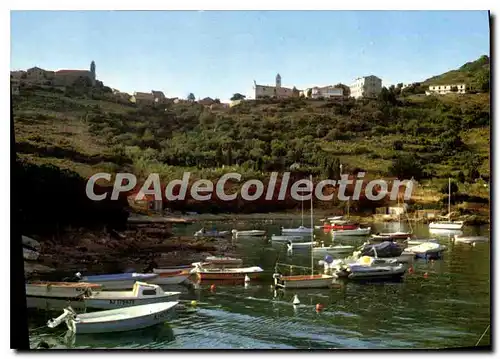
[447, 307]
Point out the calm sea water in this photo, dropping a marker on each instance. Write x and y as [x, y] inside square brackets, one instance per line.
[450, 307]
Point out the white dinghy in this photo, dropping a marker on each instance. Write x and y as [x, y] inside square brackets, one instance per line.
[142, 293]
[250, 233]
[114, 320]
[360, 232]
[67, 290]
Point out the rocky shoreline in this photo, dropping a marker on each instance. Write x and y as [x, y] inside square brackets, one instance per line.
[101, 252]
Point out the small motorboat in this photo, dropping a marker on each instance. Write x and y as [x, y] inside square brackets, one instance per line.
[212, 234]
[303, 281]
[470, 239]
[114, 320]
[360, 232]
[428, 250]
[301, 230]
[68, 290]
[221, 261]
[205, 273]
[449, 233]
[121, 281]
[370, 268]
[276, 238]
[250, 233]
[453, 225]
[416, 242]
[299, 245]
[142, 293]
[333, 249]
[390, 236]
[171, 278]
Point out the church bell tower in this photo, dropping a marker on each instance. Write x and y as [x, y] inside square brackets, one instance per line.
[92, 71]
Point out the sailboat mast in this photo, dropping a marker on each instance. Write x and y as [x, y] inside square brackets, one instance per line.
[312, 226]
[449, 198]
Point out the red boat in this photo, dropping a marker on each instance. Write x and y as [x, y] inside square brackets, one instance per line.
[336, 227]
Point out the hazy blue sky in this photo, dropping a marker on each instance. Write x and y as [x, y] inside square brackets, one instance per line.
[218, 53]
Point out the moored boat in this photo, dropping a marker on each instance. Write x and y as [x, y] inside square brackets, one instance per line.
[366, 268]
[428, 250]
[173, 269]
[120, 281]
[141, 293]
[386, 249]
[60, 289]
[114, 320]
[390, 236]
[276, 238]
[333, 249]
[168, 278]
[299, 245]
[303, 281]
[300, 230]
[360, 232]
[447, 224]
[249, 233]
[470, 239]
[205, 273]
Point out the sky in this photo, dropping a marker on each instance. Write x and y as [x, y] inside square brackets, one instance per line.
[218, 53]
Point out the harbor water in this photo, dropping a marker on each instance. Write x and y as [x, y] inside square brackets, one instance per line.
[440, 304]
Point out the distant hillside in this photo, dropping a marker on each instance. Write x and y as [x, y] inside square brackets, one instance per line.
[475, 74]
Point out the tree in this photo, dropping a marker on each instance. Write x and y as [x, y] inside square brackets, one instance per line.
[216, 100]
[460, 177]
[405, 167]
[191, 97]
[229, 156]
[295, 92]
[309, 92]
[347, 89]
[397, 145]
[238, 96]
[219, 157]
[453, 188]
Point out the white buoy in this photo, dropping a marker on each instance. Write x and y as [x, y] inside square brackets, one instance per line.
[296, 300]
[247, 279]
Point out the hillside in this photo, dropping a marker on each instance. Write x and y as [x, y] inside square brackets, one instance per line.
[475, 73]
[426, 138]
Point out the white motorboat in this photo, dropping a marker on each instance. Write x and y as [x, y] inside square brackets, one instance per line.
[205, 273]
[366, 268]
[120, 281]
[429, 250]
[60, 289]
[303, 281]
[30, 255]
[276, 238]
[448, 224]
[250, 233]
[360, 232]
[334, 249]
[142, 293]
[115, 320]
[416, 242]
[299, 245]
[470, 239]
[300, 230]
[449, 233]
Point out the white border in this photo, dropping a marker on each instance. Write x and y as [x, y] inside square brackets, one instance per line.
[192, 5]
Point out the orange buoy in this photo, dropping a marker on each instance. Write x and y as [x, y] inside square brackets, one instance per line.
[212, 287]
[319, 307]
[425, 275]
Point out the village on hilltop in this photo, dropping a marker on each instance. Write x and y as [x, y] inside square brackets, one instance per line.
[362, 87]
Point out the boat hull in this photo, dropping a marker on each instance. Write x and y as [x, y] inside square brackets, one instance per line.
[334, 250]
[305, 281]
[169, 278]
[255, 233]
[450, 226]
[122, 281]
[60, 289]
[172, 269]
[351, 232]
[113, 303]
[120, 323]
[287, 239]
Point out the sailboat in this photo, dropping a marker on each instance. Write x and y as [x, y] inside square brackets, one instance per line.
[308, 280]
[301, 230]
[349, 229]
[453, 225]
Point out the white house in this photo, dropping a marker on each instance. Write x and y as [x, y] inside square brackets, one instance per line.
[446, 89]
[367, 86]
